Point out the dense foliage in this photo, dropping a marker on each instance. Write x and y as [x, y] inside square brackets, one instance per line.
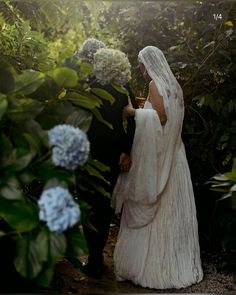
[42, 85]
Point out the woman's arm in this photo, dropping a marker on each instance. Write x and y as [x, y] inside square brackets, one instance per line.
[129, 110]
[157, 102]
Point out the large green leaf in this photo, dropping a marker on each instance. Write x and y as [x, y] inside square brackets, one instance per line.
[80, 118]
[55, 114]
[24, 109]
[11, 189]
[99, 165]
[86, 184]
[28, 262]
[47, 90]
[83, 100]
[22, 162]
[46, 170]
[52, 246]
[22, 216]
[93, 171]
[65, 77]
[3, 105]
[98, 115]
[120, 89]
[77, 244]
[30, 136]
[231, 175]
[103, 94]
[28, 82]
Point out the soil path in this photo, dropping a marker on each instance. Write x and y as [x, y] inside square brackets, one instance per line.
[70, 280]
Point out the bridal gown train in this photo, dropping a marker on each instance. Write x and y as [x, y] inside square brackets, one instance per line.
[162, 251]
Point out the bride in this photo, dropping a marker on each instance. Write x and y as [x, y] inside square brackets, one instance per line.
[157, 244]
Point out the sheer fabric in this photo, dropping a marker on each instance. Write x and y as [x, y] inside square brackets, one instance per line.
[158, 244]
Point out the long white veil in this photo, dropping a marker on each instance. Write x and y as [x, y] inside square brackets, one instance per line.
[160, 72]
[154, 147]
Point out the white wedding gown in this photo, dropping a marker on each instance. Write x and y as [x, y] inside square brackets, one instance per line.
[157, 244]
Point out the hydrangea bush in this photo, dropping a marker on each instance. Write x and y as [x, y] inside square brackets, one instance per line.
[47, 115]
[111, 66]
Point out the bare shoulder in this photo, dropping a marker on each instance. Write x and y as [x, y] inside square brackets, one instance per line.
[153, 89]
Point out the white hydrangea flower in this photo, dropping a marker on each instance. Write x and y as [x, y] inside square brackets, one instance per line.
[58, 209]
[89, 48]
[70, 146]
[111, 66]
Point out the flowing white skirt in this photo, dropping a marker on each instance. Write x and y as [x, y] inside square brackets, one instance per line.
[165, 253]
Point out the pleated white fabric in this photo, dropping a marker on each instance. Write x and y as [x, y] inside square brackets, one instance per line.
[157, 244]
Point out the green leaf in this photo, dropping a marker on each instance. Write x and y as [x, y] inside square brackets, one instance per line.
[86, 69]
[55, 114]
[7, 74]
[33, 143]
[57, 247]
[28, 82]
[24, 109]
[103, 94]
[26, 177]
[30, 136]
[52, 246]
[220, 177]
[48, 90]
[99, 165]
[45, 277]
[11, 190]
[65, 77]
[98, 115]
[22, 216]
[2, 234]
[221, 184]
[80, 118]
[8, 154]
[221, 190]
[231, 175]
[28, 262]
[77, 244]
[91, 186]
[46, 170]
[83, 101]
[22, 162]
[3, 105]
[120, 89]
[93, 172]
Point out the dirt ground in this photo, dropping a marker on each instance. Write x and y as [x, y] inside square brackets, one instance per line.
[70, 280]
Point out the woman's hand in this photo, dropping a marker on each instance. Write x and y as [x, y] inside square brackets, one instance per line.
[128, 111]
[125, 162]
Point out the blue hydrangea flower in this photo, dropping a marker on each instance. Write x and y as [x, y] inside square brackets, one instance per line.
[89, 47]
[70, 146]
[58, 209]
